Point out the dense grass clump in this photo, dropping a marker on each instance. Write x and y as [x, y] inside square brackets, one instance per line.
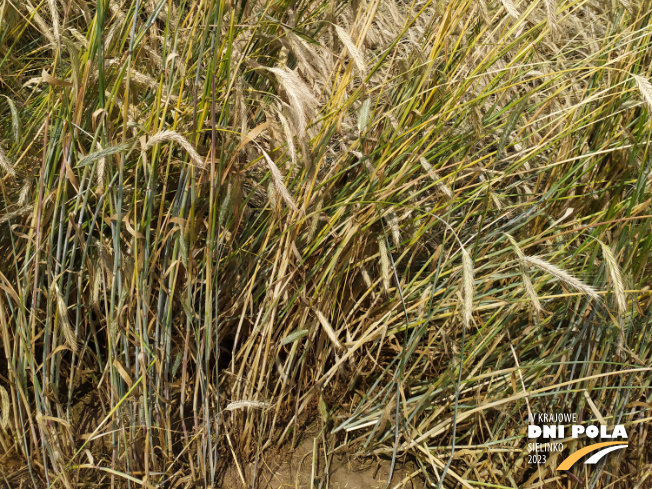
[407, 223]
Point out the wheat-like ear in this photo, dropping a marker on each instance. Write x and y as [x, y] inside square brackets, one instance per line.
[19, 212]
[245, 404]
[15, 119]
[467, 279]
[392, 221]
[365, 276]
[443, 188]
[551, 11]
[516, 247]
[277, 179]
[4, 406]
[55, 19]
[328, 329]
[180, 140]
[510, 8]
[364, 115]
[423, 300]
[616, 277]
[143, 79]
[532, 294]
[271, 193]
[289, 139]
[101, 168]
[42, 25]
[645, 87]
[5, 165]
[301, 98]
[97, 281]
[563, 276]
[353, 50]
[64, 322]
[384, 262]
[24, 193]
[529, 288]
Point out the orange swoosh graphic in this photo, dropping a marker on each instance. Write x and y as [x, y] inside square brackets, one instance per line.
[574, 457]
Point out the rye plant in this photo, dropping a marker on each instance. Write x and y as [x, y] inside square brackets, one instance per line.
[408, 223]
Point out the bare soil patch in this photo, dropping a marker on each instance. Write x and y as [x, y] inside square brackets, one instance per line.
[285, 469]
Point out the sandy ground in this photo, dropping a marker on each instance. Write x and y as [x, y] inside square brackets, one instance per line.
[294, 470]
